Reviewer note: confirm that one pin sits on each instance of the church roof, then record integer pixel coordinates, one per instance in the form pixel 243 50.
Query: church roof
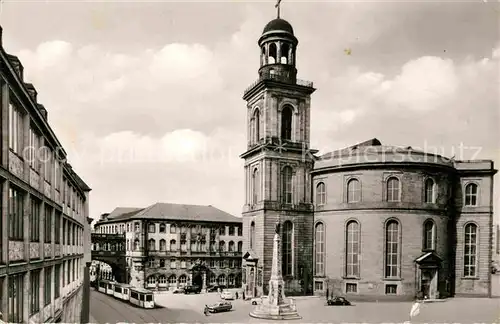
pixel 370 146
pixel 278 24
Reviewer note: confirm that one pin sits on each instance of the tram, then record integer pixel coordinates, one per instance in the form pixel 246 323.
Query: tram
pixel 142 298
pixel 136 296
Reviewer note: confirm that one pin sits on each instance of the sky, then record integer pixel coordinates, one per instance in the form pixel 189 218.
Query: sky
pixel 146 97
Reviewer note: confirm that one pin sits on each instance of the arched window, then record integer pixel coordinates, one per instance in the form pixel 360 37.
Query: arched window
pixel 212 279
pixel 286 185
pixel 353 191
pixel 352 249
pixel 470 250
pixel 151 280
pixel 272 54
pixel 163 228
pixel 172 279
pixel 471 194
pixel 429 235
pixel 252 235
pixel 230 280
pixel 284 53
pixel 392 249
pixel 152 245
pixel 221 280
pixel 429 191
pixel 173 229
pixel 320 194
pixel 163 245
pixel 319 240
pixel 173 245
pixel 256 126
pixel 183 279
pixel 137 245
pixel 231 246
pixel 240 246
pixel 162 280
pixel 255 186
pixel 287 249
pixel 222 246
pixel 128 227
pixel 286 123
pixel 393 189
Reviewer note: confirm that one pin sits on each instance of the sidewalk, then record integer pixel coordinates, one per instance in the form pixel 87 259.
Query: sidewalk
pixel 92 319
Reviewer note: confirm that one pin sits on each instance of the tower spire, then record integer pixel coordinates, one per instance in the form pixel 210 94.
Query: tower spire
pixel 277 6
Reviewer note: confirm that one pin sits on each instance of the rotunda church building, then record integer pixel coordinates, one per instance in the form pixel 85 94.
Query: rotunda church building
pixel 367 221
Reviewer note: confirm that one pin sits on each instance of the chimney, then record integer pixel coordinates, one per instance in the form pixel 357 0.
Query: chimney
pixel 32 91
pixel 42 110
pixel 16 64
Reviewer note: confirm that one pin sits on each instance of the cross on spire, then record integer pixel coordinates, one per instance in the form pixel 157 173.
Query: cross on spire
pixel 277 6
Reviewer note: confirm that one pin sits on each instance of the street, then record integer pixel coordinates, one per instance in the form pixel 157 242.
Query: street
pixel 189 308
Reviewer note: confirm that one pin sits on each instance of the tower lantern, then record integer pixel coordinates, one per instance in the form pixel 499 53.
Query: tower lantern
pixel 278 47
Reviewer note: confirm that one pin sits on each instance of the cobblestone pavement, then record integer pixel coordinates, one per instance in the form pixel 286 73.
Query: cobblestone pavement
pixel 457 310
pixel 189 309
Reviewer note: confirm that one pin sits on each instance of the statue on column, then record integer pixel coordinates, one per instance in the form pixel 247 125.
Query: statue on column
pixel 277 227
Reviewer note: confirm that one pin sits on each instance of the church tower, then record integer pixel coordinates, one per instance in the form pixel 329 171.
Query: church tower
pixel 278 161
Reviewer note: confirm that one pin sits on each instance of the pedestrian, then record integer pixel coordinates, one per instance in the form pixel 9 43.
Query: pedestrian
pixel 236 295
pixel 243 295
pixel 205 311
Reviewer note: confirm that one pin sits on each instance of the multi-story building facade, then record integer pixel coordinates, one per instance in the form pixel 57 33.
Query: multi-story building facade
pixel 43 221
pixel 369 220
pixel 172 245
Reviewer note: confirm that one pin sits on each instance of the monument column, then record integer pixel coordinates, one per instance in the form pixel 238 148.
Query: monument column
pixel 204 280
pixel 276 306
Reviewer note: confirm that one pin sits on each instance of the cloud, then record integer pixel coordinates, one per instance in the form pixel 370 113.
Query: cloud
pixel 165 121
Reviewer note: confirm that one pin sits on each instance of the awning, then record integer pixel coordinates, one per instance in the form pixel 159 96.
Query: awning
pixel 250 257
pixel 429 259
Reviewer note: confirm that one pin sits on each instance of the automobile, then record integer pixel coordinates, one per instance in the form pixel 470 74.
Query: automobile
pixel 220 307
pixel 192 289
pixel 178 291
pixel 338 301
pixel 212 288
pixel 227 295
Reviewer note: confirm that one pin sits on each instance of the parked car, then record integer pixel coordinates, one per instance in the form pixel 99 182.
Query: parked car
pixel 212 288
pixel 338 301
pixel 178 291
pixel 220 307
pixel 227 295
pixel 192 289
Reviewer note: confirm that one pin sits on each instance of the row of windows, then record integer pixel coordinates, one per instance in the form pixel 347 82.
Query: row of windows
pixel 392 248
pixel 162 228
pixel 50 222
pixel 352 288
pixel 65 273
pixel 227 263
pixel 353 190
pixel 393 192
pixel 36 155
pixel 212 279
pixel 195 246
